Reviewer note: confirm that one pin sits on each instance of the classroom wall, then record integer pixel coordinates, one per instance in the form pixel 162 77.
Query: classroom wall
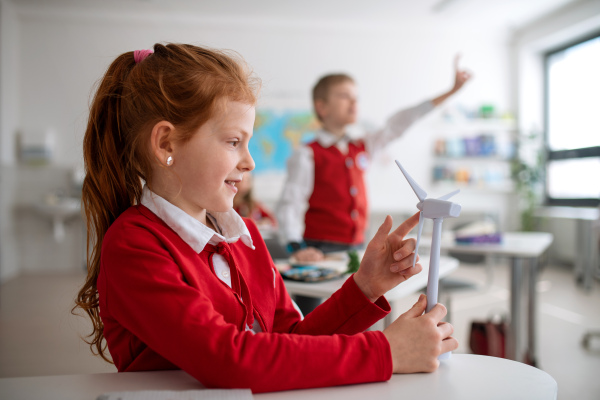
pixel 9 113
pixel 62 53
pixel 9 80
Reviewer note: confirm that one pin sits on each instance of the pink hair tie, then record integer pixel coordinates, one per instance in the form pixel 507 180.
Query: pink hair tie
pixel 140 55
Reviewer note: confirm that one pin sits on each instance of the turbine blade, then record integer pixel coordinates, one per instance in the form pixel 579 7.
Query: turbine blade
pixel 421 220
pixel 449 195
pixel 421 194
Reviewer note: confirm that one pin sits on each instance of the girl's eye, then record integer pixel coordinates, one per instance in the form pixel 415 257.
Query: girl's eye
pixel 234 143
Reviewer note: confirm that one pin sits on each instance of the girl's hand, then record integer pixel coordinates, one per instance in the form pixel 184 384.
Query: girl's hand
pixel 388 259
pixel 417 339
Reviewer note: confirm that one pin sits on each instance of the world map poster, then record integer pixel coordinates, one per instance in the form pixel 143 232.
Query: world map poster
pixel 277 134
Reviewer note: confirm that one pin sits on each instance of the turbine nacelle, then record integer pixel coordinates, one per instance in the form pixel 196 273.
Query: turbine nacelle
pixel 436 208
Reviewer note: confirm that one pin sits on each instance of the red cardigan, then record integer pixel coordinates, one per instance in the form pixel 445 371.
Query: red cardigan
pixel 163 308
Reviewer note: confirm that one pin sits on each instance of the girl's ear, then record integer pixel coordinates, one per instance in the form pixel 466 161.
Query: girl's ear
pixel 161 141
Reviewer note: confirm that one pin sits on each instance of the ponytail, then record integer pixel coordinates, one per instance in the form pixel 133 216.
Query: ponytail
pixel 179 83
pixel 108 188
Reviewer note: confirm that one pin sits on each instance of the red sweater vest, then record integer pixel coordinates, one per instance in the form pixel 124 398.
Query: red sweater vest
pixel 337 209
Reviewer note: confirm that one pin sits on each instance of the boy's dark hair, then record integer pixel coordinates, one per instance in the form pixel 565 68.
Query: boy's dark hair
pixel 321 89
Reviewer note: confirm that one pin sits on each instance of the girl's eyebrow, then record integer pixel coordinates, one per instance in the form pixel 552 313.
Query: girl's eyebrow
pixel 234 130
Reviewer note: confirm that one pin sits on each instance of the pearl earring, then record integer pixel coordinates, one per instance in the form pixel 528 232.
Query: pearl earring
pixel 169 160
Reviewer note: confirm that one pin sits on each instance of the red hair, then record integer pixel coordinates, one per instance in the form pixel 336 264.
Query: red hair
pixel 179 83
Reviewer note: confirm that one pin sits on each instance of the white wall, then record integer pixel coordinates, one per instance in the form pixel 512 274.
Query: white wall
pixel 9 80
pixel 573 23
pixel 9 122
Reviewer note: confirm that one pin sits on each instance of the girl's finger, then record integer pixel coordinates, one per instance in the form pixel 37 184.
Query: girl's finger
pixel 406 248
pixel 407 225
pixel 449 344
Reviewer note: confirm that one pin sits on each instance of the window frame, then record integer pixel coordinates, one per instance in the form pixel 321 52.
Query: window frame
pixel 553 155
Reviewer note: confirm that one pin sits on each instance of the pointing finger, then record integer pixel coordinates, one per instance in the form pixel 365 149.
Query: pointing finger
pixel 407 225
pixel 456 60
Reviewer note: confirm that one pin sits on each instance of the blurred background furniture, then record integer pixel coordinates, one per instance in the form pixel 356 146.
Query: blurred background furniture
pixel 414 284
pixel 588 336
pixel 525 251
pixel 586 238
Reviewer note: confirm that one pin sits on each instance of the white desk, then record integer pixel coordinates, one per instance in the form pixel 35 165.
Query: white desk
pixel 327 288
pixel 524 250
pixel 463 377
pixel 586 238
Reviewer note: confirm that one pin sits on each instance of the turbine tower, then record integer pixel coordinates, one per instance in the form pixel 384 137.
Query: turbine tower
pixel 437 210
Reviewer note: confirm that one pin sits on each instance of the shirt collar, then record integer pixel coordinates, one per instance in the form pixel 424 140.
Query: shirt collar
pixel 328 139
pixel 193 232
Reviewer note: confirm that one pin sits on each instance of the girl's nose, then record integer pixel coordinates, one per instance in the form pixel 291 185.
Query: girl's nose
pixel 247 162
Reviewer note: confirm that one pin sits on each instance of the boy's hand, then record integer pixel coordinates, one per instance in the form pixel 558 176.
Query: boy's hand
pixel 309 254
pixel 388 259
pixel 417 339
pixel 460 76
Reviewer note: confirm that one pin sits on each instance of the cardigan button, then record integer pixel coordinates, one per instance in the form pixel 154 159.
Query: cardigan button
pixel 349 162
pixel 353 191
pixel 354 214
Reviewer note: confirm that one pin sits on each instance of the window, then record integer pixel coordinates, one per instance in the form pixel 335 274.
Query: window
pixel 573 124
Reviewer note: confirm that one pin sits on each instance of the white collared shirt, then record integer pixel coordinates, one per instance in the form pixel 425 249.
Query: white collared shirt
pixel 300 180
pixel 197 235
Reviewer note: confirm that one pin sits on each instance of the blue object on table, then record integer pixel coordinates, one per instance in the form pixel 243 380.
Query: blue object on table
pixel 310 273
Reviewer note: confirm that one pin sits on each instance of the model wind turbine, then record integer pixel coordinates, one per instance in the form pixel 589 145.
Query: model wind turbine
pixel 437 210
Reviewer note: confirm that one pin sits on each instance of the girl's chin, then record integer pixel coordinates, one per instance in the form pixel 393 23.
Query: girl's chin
pixel 224 207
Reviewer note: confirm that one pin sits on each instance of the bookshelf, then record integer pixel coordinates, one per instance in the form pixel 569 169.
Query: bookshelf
pixel 474 154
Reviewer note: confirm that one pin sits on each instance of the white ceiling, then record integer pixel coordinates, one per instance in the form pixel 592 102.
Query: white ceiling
pixel 508 14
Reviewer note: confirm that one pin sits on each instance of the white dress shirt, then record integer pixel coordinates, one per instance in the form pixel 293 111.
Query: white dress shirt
pixel 299 184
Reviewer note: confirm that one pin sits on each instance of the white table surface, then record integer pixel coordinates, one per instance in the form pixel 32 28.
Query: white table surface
pixel 462 377
pixel 415 283
pixel 514 244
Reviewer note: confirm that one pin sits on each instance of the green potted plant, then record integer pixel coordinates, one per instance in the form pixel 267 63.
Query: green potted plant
pixel 527 172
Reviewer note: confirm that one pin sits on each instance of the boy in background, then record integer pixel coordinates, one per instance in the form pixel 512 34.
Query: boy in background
pixel 325 189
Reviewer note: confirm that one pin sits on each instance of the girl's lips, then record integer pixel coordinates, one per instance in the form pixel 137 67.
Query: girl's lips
pixel 232 186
